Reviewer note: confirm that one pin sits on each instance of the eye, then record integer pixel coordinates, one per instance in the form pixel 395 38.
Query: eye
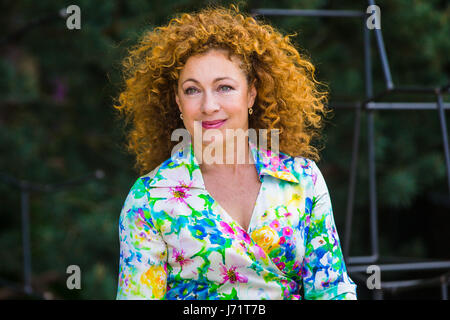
pixel 225 88
pixel 190 90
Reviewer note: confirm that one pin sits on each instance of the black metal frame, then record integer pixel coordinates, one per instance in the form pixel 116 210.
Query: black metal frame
pixel 359 264
pixel 26 188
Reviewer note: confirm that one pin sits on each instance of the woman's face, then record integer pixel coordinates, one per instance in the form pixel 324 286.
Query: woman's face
pixel 213 91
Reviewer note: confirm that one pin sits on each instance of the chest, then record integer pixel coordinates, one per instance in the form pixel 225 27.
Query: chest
pixel 236 196
pixel 221 225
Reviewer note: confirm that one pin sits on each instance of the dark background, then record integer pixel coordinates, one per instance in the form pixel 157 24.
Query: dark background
pixel 57 123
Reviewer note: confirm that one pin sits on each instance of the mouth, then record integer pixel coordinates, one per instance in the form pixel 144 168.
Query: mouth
pixel 213 124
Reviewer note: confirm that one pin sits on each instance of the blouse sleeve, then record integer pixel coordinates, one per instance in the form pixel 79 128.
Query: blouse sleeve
pixel 324 273
pixel 143 252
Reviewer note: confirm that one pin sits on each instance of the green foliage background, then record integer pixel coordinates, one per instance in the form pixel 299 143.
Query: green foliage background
pixel 57 123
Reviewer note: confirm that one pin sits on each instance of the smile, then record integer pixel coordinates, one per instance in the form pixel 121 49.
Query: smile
pixel 213 124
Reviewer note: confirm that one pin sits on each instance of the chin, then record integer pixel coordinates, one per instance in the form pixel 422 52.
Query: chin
pixel 213 141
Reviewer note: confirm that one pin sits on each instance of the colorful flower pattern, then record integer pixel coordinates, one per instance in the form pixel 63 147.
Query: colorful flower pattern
pixel 176 242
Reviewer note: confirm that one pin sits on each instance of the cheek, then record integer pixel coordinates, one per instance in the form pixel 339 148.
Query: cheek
pixel 189 122
pixel 239 111
pixel 190 109
pixel 236 105
pixel 190 118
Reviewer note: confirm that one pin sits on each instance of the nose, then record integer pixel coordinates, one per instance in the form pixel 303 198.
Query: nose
pixel 210 104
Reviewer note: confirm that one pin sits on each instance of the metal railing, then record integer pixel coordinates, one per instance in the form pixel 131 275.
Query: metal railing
pixel 359 264
pixel 26 188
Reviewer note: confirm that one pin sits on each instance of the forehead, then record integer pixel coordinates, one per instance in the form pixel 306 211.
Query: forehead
pixel 212 64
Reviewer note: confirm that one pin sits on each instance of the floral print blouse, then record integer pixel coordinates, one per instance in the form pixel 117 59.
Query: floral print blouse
pixel 176 242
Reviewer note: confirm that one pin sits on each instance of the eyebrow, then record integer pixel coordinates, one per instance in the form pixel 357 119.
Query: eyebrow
pixel 215 80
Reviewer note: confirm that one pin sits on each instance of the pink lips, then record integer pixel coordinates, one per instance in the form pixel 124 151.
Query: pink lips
pixel 212 124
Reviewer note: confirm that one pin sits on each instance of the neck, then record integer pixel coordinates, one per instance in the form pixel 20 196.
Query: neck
pixel 219 158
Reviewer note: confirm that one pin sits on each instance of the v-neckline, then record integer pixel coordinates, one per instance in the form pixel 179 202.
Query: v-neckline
pixel 255 205
pixel 228 216
pixel 222 209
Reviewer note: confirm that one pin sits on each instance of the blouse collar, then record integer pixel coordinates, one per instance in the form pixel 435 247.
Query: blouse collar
pixel 182 168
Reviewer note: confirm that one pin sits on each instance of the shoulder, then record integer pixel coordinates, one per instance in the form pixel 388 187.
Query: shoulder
pixel 153 175
pixel 175 171
pixel 313 174
pixel 143 182
pixel 303 168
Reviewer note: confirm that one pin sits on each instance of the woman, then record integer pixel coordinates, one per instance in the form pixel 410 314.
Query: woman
pixel 199 226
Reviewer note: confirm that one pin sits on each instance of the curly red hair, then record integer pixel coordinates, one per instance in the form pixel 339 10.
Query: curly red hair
pixel 288 97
